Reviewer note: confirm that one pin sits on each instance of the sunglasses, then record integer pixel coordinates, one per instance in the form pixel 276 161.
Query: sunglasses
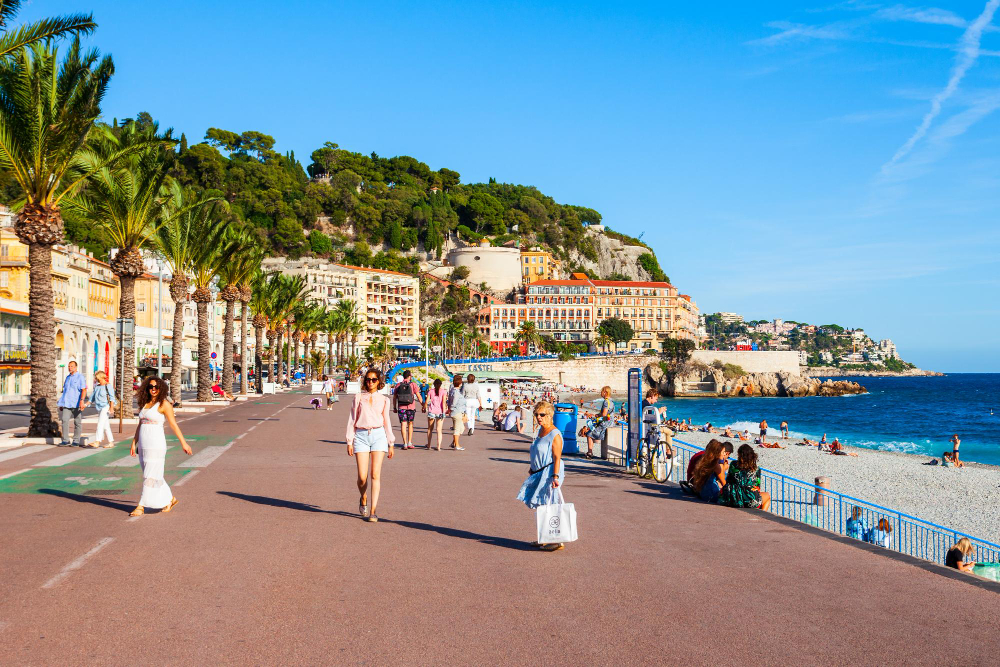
pixel 370 379
pixel 154 387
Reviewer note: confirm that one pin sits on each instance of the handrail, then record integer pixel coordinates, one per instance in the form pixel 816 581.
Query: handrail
pixel 831 510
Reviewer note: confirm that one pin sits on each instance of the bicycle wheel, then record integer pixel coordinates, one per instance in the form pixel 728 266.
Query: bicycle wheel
pixel 642 460
pixel 660 464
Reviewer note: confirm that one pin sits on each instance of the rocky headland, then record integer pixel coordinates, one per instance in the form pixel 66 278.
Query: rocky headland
pixel 700 380
pixel 833 371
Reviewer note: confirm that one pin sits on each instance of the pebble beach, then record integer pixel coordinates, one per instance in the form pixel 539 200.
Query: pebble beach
pixel 964 499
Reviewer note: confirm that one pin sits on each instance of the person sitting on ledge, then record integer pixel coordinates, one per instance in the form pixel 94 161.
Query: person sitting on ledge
pixel 512 422
pixel 216 389
pixel 856 525
pixel 498 414
pixel 880 534
pixel 742 487
pixel 709 477
pixel 838 449
pixel 960 556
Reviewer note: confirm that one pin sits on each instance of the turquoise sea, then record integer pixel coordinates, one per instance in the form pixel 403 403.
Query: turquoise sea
pixel 916 415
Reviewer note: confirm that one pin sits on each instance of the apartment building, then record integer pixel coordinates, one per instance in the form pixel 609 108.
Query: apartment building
pixel 571 310
pixel 538 264
pixel 383 299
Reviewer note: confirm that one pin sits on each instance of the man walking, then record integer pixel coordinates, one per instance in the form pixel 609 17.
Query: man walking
pixel 405 397
pixel 71 405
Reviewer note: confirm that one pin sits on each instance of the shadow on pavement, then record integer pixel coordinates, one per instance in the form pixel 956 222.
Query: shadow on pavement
pixel 492 540
pixel 278 502
pixel 93 500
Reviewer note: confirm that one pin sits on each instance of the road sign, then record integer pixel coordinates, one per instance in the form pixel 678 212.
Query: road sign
pixel 125 327
pixel 213 355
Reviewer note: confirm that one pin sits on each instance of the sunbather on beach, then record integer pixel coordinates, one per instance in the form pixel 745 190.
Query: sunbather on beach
pixel 955 442
pixel 770 445
pixel 948 461
pixel 763 429
pixel 729 433
pixel 811 443
pixel 784 430
pixel 745 435
pixel 838 449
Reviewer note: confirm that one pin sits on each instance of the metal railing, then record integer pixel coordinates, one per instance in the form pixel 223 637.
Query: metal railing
pixel 839 513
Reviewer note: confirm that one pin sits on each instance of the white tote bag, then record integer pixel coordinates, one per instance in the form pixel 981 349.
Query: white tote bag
pixel 557 522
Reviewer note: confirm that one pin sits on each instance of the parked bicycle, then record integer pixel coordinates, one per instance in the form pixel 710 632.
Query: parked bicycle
pixel 655 458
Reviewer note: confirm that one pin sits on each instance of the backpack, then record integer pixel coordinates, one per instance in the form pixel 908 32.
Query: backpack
pixel 404 393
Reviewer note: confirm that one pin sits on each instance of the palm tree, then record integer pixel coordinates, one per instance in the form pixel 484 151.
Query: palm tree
pixel 126 202
pixel 317 359
pixel 247 285
pixel 39 31
pixel 185 232
pixel 243 255
pixel 314 320
pixel 528 334
pixel 288 291
pixel 46 115
pixel 603 340
pixel 263 286
pixel 346 309
pixel 205 266
pixel 356 328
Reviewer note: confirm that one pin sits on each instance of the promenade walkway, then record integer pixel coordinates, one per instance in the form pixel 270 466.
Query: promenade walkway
pixel 264 561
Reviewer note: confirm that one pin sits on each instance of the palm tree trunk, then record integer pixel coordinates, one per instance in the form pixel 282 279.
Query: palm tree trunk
pixel 204 350
pixel 42 325
pixel 293 360
pixel 330 361
pixel 279 358
pixel 306 347
pixel 177 353
pixel 258 359
pixel 244 325
pixel 126 306
pixel 227 347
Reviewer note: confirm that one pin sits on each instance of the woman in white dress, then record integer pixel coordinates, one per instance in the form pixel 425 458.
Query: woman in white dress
pixel 151 445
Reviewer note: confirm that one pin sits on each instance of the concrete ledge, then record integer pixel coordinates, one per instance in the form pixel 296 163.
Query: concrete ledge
pixel 241 397
pixel 184 408
pixel 114 421
pixel 220 404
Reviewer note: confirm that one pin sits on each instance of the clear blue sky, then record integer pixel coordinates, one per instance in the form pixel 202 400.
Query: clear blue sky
pixel 835 162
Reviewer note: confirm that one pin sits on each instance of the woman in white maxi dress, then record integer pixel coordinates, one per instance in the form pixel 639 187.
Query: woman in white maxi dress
pixel 151 445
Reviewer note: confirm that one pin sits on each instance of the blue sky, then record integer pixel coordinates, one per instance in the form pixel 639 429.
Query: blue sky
pixel 834 162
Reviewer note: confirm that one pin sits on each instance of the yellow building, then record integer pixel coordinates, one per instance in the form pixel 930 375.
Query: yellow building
pixel 539 265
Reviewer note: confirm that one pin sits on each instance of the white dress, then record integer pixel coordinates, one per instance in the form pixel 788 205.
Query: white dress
pixel 152 454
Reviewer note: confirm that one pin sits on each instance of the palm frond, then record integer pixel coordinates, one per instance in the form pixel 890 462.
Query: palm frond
pixel 43 30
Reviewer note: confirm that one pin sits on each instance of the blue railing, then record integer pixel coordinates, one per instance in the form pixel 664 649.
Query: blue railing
pixel 795 499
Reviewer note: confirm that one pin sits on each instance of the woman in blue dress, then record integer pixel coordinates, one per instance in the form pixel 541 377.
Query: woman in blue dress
pixel 547 472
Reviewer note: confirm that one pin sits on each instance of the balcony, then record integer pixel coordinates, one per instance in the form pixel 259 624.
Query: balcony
pixel 15 354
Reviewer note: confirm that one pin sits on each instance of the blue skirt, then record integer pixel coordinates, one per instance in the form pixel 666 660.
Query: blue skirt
pixel 537 489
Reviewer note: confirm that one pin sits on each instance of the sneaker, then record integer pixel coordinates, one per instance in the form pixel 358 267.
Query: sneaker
pixel 373 518
pixel 65 443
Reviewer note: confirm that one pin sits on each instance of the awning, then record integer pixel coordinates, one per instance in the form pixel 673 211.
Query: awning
pixel 406 346
pixel 508 375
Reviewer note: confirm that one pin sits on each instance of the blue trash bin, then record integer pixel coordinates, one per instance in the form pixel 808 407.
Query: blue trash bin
pixel 564 419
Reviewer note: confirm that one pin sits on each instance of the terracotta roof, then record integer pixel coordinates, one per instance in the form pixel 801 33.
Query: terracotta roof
pixel 574 283
pixel 364 268
pixel 628 283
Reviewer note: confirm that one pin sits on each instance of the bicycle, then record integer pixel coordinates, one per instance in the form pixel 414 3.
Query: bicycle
pixel 655 458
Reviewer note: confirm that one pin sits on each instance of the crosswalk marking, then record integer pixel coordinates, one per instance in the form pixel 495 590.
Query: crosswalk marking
pixel 204 457
pixel 127 461
pixel 67 458
pixel 16 472
pixel 23 451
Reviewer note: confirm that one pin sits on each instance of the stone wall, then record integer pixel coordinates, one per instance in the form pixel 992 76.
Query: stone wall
pixel 752 362
pixel 593 372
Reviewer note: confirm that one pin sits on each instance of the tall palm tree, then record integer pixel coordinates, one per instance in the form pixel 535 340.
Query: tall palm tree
pixel 185 232
pixel 205 266
pixel 47 113
pixel 39 31
pixel 528 334
pixel 356 328
pixel 346 310
pixel 263 286
pixel 247 286
pixel 311 322
pixel 126 202
pixel 243 254
pixel 289 291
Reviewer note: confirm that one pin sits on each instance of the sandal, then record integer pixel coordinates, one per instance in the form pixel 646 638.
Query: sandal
pixel 363 508
pixel 590 455
pixel 138 511
pixel 373 518
pixel 173 501
pixel 552 547
pixel 90 445
pixel 108 446
pixel 459 449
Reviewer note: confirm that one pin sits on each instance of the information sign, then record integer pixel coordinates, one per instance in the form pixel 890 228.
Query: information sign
pixel 634 414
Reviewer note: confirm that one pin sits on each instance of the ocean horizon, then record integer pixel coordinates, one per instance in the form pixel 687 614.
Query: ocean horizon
pixel 913 415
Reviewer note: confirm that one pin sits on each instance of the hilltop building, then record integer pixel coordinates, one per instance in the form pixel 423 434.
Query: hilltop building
pixel 538 264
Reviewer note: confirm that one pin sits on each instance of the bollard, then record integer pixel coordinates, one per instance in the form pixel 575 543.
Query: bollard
pixel 822 497
pixel 604 446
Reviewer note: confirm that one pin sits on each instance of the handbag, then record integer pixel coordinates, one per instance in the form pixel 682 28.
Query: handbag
pixel 556 522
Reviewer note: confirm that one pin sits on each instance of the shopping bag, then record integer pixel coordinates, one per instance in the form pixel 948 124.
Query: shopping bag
pixel 557 522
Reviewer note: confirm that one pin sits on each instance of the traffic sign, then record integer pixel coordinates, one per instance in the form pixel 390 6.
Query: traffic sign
pixel 213 355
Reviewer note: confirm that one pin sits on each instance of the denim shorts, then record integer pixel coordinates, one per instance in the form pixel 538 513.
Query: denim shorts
pixel 370 441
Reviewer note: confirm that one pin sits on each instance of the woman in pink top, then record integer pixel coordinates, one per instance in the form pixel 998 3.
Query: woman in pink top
pixel 369 437
pixel 437 399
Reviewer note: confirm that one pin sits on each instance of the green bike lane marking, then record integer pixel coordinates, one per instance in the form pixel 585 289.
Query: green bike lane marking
pixel 92 475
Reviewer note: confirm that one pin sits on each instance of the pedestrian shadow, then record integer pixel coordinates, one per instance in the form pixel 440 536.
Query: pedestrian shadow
pixel 507 449
pixel 599 470
pixel 91 500
pixel 335 442
pixel 491 540
pixel 284 504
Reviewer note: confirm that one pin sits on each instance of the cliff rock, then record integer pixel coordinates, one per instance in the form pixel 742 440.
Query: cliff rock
pixel 613 256
pixel 699 380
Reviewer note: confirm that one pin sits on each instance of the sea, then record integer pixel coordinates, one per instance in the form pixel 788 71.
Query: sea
pixel 914 415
